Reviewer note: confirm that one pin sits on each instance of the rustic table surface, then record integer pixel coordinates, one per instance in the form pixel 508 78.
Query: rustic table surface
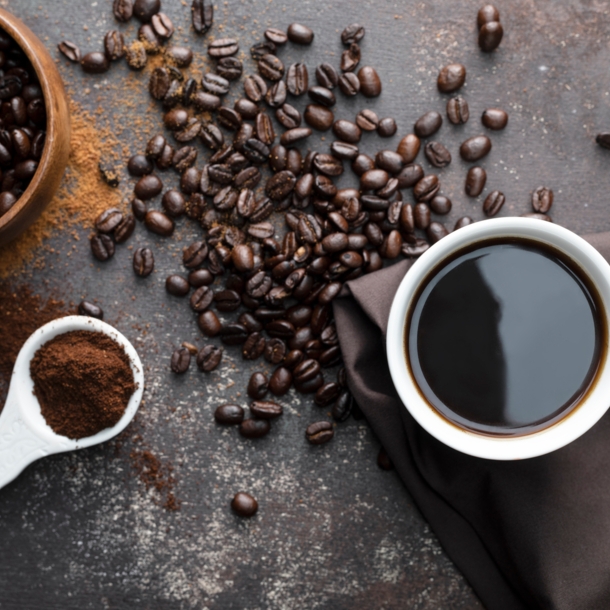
pixel 81 531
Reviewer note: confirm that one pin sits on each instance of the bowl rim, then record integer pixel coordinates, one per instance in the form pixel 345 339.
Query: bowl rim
pixel 26 39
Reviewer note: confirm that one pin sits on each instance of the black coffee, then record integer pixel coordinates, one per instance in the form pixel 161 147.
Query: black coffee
pixel 505 337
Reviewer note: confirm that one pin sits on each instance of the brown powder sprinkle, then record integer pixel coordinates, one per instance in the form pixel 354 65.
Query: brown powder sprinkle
pixel 83 382
pixel 21 313
pixel 157 476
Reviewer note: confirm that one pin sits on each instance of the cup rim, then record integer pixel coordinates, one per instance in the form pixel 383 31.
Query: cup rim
pixel 561 433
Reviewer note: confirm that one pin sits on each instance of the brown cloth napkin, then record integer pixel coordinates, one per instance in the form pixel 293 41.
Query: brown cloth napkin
pixel 525 534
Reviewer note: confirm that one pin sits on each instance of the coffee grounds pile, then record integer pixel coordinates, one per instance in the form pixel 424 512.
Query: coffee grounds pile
pixel 21 313
pixel 83 381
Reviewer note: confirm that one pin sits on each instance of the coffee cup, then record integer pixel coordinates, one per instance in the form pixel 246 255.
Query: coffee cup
pixel 473 242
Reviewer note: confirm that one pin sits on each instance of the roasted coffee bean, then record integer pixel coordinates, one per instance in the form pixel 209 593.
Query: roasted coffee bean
pixel 94 63
pixel 230 68
pixel 201 299
pixel 139 208
pixel 139 165
pixel 297 79
pixel 451 77
pixel 416 249
pixel 464 221
pixel 490 36
pixel 437 154
pixel 259 285
pixel 114 45
pixel 390 248
pixel 254 345
pixel 367 120
pixel 209 356
pixel 108 220
pixel 243 257
pixel 406 219
pixel 349 84
pixel 70 50
pixel 215 84
pixel 421 215
pixel 211 136
pixel 266 409
pixel 233 334
pixel 493 203
pixel 494 118
pixel 343 150
pixel 370 83
pixel 184 158
pixel 208 323
pixel 190 181
pixel 435 232
pixel 148 37
pixel 143 262
pixel 352 33
pixel 389 161
pixel 223 47
pixel 271 67
pixel 475 181
pixel 173 203
pixel 327 394
pixel 258 50
pixel 205 101
pixel 276 36
pixel 122 10
pixel 279 383
pixel 255 88
pixel 288 116
pixel 255 150
pixel 276 95
pixel 294 135
pixel 177 285
pixel 319 433
pixel 159 223
pixel 254 428
pixel 145 9
pixel 102 247
pixel 319 117
pixel 275 351
pixel 108 170
pixel 181 57
pixel 280 329
pixel 124 229
pixel 155 147
pixel 181 359
pixel 85 308
pixel 246 108
pixel 327 76
pixel 279 186
pixel 387 127
pixel 176 119
pixel 542 199
pixel 603 140
pixel 347 131
pixel 194 255
pixel 457 110
pixel 350 58
pixel 374 179
pixel 229 414
pixel 300 34
pixel 200 277
pixel 428 124
pixel 306 371
pixel 135 54
pixel 486 14
pixel 440 204
pixel 229 118
pixel 343 406
pixel 227 300
pixel 408 148
pixel 202 15
pixel 322 95
pixel 257 386
pixel 475 148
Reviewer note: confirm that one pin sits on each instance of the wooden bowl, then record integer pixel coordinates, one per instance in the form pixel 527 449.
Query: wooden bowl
pixel 54 158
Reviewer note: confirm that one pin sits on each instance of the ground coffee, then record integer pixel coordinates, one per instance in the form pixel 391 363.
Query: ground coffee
pixel 83 382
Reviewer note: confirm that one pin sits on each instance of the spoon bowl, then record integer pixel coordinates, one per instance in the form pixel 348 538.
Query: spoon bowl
pixel 25 435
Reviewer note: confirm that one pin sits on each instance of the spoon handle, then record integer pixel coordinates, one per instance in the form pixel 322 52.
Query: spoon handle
pixel 19 445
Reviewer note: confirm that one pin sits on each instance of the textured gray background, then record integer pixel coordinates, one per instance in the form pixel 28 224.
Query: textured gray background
pixel 333 531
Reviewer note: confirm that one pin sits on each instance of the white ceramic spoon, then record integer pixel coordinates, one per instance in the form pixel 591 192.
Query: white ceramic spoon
pixel 25 435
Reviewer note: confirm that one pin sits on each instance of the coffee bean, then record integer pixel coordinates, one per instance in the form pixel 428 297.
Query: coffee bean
pixel 266 409
pixel 125 229
pixel 102 247
pixel 451 77
pixel 374 179
pixel 227 300
pixel 181 57
pixel 416 249
pixel 440 204
pixel 322 95
pixel 255 88
pixel 159 223
pixel 209 357
pixel 370 84
pixel 542 199
pixel 233 334
pixel 437 154
pixel 276 36
pixel 389 161
pixel 254 428
pixel 201 299
pixel 208 323
pixel 215 84
pixel 350 58
pixel 349 84
pixel 139 165
pixel 254 346
pixel 387 127
pixel 327 394
pixel 258 385
pixel 271 67
pixel 294 135
pixel 202 15
pixel 475 148
pixel 70 50
pixel 276 95
pixel 486 14
pixel 493 203
pixel 603 140
pixel 229 414
pixel 135 54
pixel 319 433
pixel 367 120
pixel 288 116
pixel 428 124
pixel 435 232
pixel 108 220
pixel 457 110
pixel 148 187
pixel 145 9
pixel 408 147
pixel 327 76
pixel 352 33
pixel 275 351
pixel 177 285
pixel 347 131
pixel 464 221
pixel 421 214
pixel 95 63
pixel 475 181
pixel 122 10
pixel 342 408
pixel 181 359
pixel 494 118
pixel 229 118
pixel 223 47
pixel 297 79
pixel 262 48
pixel 319 117
pixel 490 36
pixel 143 262
pixel 85 308
pixel 300 34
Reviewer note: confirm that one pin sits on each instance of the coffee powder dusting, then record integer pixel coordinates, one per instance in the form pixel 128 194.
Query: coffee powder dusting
pixel 83 382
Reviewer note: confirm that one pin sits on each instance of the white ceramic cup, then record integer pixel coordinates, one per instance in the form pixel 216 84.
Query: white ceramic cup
pixel 592 406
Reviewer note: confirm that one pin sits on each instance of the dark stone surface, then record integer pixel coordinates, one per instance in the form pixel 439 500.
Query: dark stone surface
pixel 80 531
